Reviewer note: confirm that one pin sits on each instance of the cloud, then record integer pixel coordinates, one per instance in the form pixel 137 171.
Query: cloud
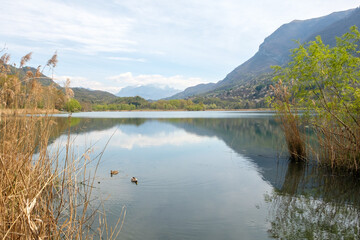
pixel 204 38
pixel 77 81
pixel 127 59
pixel 190 30
pixel 177 81
pixel 114 84
pixel 67 26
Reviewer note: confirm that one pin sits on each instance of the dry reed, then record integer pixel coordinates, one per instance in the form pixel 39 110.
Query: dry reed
pixel 290 122
pixel 41 195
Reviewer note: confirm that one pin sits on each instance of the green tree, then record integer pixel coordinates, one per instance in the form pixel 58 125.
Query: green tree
pixel 324 82
pixel 72 105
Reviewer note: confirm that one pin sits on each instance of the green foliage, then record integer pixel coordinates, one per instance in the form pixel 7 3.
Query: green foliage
pixel 72 105
pixel 259 87
pixel 114 107
pixel 326 79
pixel 137 103
pixel 324 82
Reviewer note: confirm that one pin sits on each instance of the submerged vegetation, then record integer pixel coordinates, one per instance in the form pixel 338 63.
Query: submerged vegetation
pixel 42 195
pixel 324 83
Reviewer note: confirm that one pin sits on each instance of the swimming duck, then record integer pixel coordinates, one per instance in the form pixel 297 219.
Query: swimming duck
pixel 134 180
pixel 113 172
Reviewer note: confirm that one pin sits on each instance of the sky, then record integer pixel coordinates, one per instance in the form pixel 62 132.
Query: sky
pixel 110 44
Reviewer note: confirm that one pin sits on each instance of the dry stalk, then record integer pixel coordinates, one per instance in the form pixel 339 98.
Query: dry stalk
pixel 40 195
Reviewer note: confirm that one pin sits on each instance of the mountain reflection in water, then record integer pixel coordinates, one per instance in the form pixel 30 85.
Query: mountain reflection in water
pixel 306 201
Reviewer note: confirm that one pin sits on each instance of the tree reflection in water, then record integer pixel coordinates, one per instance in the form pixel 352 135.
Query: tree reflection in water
pixel 307 202
pixel 314 203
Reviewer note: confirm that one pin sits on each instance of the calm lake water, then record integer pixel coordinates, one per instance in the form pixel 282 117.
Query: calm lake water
pixel 210 175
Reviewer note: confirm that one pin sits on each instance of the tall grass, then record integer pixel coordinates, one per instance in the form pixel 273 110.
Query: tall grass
pixel 290 122
pixel 43 196
pixel 324 81
pixel 336 143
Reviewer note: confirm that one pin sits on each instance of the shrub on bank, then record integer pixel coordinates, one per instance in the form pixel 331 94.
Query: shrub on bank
pixel 324 83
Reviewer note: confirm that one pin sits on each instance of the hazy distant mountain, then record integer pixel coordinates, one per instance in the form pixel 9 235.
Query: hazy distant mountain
pixel 148 92
pixel 190 91
pixel 275 50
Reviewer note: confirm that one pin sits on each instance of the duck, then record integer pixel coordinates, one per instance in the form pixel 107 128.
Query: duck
pixel 134 180
pixel 113 172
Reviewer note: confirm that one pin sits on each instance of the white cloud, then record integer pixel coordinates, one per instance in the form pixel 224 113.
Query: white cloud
pixel 205 38
pixel 66 26
pixel 127 59
pixel 115 83
pixel 177 81
pixel 77 81
pixel 211 29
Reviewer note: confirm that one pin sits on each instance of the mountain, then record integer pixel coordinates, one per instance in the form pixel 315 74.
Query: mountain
pixel 275 50
pixel 43 79
pixel 148 92
pixel 86 97
pixel 190 91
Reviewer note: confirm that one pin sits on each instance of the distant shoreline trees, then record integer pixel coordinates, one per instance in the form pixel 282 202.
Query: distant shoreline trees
pixel 193 104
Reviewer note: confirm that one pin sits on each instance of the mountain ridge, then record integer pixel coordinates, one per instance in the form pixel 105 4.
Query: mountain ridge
pixel 86 97
pixel 275 50
pixel 150 92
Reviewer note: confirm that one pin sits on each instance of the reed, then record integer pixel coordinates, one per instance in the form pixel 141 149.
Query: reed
pixel 290 122
pixel 42 196
pixel 324 81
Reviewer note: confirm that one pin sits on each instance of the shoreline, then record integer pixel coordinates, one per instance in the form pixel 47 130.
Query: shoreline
pixel 8 112
pixel 184 110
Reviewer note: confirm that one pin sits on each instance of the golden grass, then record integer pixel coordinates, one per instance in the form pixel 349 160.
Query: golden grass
pixel 289 117
pixel 42 197
pixel 337 142
pixel 10 112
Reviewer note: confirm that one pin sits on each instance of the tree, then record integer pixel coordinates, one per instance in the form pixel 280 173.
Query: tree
pixel 72 105
pixel 324 82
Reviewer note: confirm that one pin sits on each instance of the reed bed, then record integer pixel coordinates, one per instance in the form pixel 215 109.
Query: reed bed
pixel 290 122
pixel 324 82
pixel 43 195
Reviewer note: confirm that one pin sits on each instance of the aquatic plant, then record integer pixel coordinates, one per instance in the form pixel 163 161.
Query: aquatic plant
pixel 324 83
pixel 42 196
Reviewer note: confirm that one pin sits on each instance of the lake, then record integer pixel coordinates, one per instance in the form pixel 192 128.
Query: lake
pixel 209 175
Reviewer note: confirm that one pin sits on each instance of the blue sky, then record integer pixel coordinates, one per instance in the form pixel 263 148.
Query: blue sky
pixel 110 44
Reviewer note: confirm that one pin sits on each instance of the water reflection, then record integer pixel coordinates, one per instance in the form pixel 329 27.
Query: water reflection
pixel 304 201
pixel 243 135
pixel 315 203
pixel 130 137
